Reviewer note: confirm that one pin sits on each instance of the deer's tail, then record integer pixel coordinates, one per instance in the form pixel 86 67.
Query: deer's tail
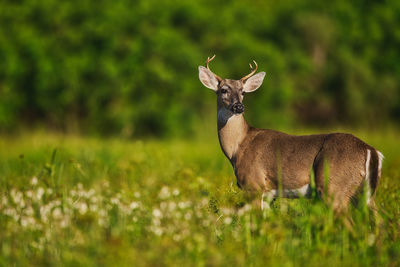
pixel 373 169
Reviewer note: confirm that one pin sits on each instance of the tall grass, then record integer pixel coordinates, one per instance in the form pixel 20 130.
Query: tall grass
pixel 70 201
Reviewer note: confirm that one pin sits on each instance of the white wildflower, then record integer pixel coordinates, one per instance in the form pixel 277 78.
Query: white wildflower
pixel 82 208
pixel 204 202
pixel 73 193
pixel 371 239
pixel 4 201
pixel 134 205
pixel 157 213
pixel 156 222
pixel 218 232
pixel 90 193
pixel 226 211
pixel 125 209
pixel 102 213
pixel 64 222
pixel 171 206
pixel 39 193
pixel 22 203
pixel 37 245
pixel 102 222
pixel 188 216
pixel 185 232
pixel 17 196
pixel 199 214
pixel 177 237
pixel 114 201
pixel 183 205
pixel 29 194
pixel 31 221
pixel 175 192
pixel 57 214
pixel 34 180
pixel 24 222
pixel 163 205
pixel 158 231
pixel 206 223
pixel 94 199
pixel 69 201
pixel 29 211
pixel 10 212
pixel 93 207
pixel 44 211
pixel 228 220
pixel 164 193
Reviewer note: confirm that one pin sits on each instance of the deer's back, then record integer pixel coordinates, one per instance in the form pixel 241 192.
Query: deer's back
pixel 265 156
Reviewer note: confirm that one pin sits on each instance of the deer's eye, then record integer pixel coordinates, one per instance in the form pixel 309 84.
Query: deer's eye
pixel 224 91
pixel 242 92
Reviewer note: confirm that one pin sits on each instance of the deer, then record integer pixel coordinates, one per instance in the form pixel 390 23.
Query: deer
pixel 270 164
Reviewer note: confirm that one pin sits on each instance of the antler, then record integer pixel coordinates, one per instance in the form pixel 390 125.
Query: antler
pixel 251 73
pixel 207 62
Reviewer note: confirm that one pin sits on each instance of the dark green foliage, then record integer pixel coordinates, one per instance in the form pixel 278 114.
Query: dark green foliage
pixel 130 67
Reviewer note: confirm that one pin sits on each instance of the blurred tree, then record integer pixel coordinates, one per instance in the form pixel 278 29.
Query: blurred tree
pixel 130 67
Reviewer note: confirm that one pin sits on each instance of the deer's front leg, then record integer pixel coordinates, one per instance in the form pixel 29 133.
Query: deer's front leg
pixel 254 198
pixel 260 200
pixel 267 199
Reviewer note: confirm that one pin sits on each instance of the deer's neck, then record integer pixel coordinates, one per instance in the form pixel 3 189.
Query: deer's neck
pixel 232 129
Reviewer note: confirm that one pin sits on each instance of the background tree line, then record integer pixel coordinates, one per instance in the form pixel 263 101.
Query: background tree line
pixel 130 67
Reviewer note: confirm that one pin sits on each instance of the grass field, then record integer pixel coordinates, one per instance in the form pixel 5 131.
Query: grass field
pixel 75 201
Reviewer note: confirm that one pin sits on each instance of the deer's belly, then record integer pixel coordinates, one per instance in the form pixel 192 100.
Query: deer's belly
pixel 304 191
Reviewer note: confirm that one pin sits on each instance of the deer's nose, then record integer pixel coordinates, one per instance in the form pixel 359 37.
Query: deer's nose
pixel 238 108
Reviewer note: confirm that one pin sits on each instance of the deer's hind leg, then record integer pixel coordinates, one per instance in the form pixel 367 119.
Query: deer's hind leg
pixel 339 172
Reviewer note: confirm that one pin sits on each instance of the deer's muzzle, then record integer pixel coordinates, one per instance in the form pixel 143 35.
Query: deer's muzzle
pixel 237 108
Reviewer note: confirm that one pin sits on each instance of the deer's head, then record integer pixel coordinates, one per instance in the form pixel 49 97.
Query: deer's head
pixel 229 92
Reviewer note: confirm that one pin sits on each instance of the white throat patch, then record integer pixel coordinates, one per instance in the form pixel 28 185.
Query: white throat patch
pixel 224 115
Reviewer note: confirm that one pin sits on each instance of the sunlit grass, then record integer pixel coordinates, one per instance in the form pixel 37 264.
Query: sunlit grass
pixel 69 200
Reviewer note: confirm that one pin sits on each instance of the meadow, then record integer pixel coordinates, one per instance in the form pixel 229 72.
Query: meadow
pixel 68 200
pixel 107 156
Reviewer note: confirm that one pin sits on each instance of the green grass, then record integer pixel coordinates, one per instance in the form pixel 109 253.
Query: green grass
pixel 74 201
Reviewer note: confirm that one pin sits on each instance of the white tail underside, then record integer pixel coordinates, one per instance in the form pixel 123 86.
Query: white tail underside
pixel 368 176
pixel 381 157
pixel 368 172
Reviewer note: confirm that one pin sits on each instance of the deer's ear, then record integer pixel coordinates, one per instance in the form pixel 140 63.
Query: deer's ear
pixel 254 82
pixel 207 78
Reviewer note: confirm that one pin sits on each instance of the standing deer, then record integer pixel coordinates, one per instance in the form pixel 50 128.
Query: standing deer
pixel 265 160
